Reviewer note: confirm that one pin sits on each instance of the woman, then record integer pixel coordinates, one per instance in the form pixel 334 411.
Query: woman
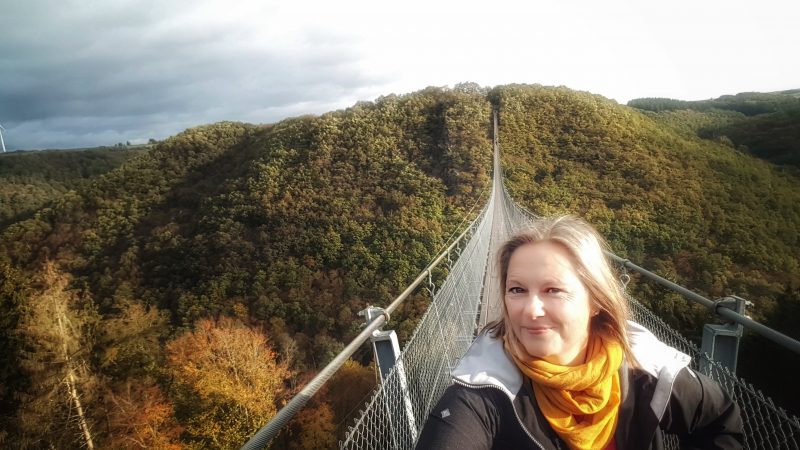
pixel 563 368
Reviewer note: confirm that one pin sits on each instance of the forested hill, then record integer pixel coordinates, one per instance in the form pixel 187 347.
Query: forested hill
pixel 203 281
pixel 766 125
pixel 290 229
pixel 32 179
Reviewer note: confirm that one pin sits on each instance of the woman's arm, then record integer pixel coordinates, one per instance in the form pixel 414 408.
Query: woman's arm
pixel 702 414
pixel 464 419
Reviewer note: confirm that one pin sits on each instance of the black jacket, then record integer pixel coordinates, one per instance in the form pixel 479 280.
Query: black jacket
pixel 491 406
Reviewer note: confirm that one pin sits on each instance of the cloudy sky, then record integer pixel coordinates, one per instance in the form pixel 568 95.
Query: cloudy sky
pixel 77 73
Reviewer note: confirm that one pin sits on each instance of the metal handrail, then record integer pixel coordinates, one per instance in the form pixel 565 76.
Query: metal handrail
pixel 282 418
pixel 715 307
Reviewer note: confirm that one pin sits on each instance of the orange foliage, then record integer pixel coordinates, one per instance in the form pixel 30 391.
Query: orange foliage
pixel 349 389
pixel 313 429
pixel 140 417
pixel 225 361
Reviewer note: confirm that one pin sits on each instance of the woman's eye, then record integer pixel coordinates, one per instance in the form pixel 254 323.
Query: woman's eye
pixel 553 290
pixel 516 290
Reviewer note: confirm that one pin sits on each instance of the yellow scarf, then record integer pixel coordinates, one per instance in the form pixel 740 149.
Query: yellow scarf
pixel 580 402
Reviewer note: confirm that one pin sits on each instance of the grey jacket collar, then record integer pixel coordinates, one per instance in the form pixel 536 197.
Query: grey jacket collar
pixel 486 363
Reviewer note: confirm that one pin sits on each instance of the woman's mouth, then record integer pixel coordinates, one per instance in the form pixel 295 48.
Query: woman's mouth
pixel 535 330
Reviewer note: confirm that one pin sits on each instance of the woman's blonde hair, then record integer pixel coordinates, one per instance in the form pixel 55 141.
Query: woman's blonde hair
pixel 585 246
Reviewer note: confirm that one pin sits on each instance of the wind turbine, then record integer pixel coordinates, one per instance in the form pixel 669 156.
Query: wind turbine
pixel 3 144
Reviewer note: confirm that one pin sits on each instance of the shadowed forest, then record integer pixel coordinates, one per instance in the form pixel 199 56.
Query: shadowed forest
pixel 177 296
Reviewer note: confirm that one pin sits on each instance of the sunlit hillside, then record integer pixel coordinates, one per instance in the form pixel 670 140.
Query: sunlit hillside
pixel 289 229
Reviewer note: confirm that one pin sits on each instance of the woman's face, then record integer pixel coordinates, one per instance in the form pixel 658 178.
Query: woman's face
pixel 547 303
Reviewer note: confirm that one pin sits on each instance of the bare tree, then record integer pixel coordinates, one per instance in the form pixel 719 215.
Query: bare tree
pixel 54 331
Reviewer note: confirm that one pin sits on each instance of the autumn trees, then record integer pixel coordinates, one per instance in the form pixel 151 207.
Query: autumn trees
pixel 138 416
pixel 763 124
pixel 30 180
pixel 56 330
pixel 104 387
pixel 234 375
pixel 212 238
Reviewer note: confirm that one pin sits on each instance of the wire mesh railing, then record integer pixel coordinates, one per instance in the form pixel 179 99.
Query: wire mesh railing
pixel 397 411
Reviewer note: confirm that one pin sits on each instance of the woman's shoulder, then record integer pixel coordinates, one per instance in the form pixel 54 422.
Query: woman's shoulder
pixel 486 364
pixel 692 404
pixel 692 387
pixel 656 393
pixel 654 356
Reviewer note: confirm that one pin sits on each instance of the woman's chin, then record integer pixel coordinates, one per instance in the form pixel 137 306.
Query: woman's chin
pixel 536 351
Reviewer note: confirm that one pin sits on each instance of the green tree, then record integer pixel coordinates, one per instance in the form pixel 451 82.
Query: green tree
pixel 14 292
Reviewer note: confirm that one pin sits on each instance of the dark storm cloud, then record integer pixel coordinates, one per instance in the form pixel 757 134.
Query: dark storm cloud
pixel 78 75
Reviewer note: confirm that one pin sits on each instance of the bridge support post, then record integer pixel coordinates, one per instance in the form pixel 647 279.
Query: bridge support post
pixel 721 342
pixel 396 393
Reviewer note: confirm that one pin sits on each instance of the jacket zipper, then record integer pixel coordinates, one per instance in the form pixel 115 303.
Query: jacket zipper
pixel 519 421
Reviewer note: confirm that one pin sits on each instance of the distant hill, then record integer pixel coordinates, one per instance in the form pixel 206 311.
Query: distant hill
pixel 766 125
pixel 29 180
pixel 240 249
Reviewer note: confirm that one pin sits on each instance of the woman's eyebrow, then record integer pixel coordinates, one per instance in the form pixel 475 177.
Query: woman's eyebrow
pixel 546 281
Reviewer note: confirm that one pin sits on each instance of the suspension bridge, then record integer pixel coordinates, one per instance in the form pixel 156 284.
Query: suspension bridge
pixel 412 380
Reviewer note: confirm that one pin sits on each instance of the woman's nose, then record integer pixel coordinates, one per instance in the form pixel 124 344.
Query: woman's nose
pixel 534 306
